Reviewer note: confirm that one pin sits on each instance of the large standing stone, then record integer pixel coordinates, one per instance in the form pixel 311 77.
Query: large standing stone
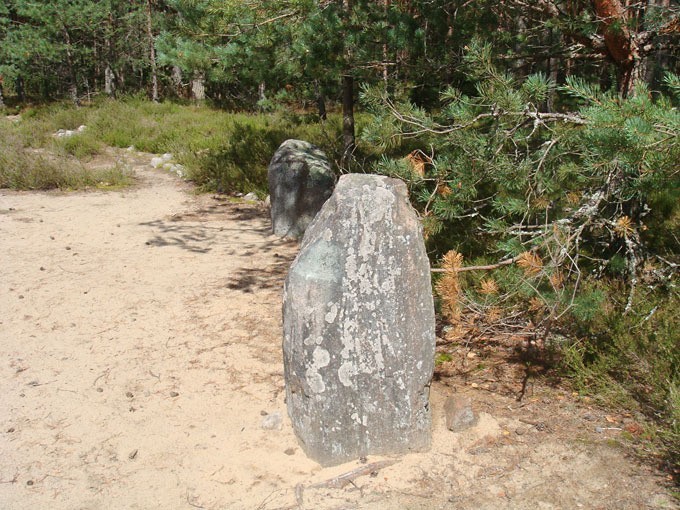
pixel 300 181
pixel 358 320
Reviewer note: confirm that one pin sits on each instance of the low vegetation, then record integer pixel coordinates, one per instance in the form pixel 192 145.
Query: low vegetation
pixel 26 167
pixel 223 152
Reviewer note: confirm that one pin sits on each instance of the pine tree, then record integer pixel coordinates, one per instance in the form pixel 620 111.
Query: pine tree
pixel 557 198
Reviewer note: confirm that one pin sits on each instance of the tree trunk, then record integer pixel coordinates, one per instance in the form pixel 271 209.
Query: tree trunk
pixel 620 43
pixel 19 87
pixel 261 96
pixel 2 101
pixel 109 82
pixel 348 136
pixel 109 75
pixel 554 64
pixel 198 86
pixel 176 78
pixel 385 49
pixel 320 100
pixel 73 84
pixel 152 53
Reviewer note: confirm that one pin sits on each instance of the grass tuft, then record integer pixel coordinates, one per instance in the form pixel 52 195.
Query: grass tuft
pixel 27 168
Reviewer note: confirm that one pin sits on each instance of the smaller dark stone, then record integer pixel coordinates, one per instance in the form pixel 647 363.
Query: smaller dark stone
pixel 30 482
pixel 68 248
pixel 174 394
pixel 129 394
pixel 289 451
pixel 100 390
pixel 300 181
pixel 10 430
pixel 459 414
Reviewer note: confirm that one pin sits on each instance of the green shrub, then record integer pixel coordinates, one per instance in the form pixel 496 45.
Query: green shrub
pixel 632 360
pixel 240 161
pixel 579 209
pixel 79 145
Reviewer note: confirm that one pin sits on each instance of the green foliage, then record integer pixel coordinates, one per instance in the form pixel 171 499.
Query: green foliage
pixel 585 203
pixel 632 360
pixel 56 47
pixel 241 163
pixel 80 146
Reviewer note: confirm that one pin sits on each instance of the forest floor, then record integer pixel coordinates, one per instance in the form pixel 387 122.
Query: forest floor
pixel 141 354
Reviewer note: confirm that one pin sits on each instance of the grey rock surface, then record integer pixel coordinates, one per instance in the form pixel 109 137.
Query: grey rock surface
pixel 358 320
pixel 300 181
pixel 459 414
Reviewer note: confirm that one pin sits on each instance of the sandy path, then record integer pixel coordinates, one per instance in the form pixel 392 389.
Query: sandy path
pixel 140 343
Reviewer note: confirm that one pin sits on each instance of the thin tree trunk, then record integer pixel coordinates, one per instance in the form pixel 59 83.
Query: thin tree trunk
pixel 620 44
pixel 2 102
pixel 554 63
pixel 320 100
pixel 348 134
pixel 385 49
pixel 73 85
pixel 198 86
pixel 152 54
pixel 261 96
pixel 109 75
pixel 97 65
pixel 109 82
pixel 176 78
pixel 19 87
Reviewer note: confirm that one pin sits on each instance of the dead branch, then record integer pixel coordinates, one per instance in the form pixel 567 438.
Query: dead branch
pixel 103 374
pixel 341 481
pixel 14 479
pixel 481 268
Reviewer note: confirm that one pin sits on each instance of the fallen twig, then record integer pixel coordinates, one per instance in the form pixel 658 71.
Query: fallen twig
pixel 341 481
pixel 13 480
pixel 189 498
pixel 105 373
